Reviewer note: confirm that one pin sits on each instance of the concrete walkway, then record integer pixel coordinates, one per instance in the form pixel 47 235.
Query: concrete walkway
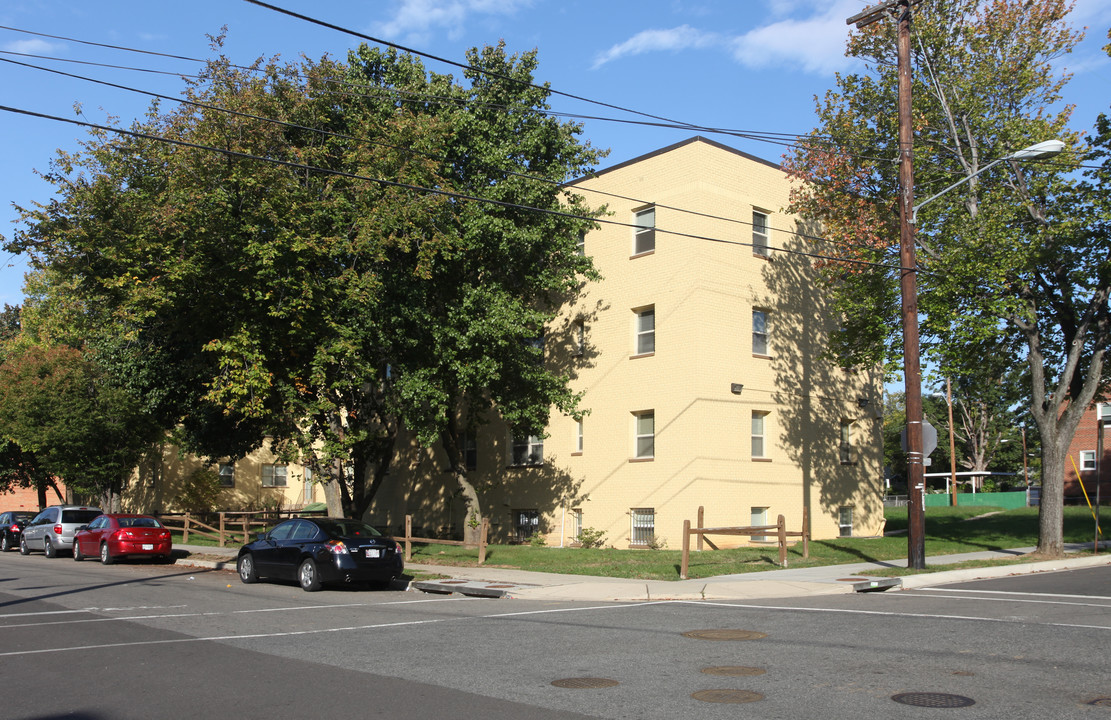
pixel 497 582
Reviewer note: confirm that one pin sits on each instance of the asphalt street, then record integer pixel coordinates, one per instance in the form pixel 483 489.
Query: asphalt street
pixel 128 641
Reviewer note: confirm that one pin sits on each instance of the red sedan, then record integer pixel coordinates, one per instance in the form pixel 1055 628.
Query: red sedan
pixel 116 535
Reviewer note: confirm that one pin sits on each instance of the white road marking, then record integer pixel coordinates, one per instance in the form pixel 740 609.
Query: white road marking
pixel 910 596
pixel 1012 592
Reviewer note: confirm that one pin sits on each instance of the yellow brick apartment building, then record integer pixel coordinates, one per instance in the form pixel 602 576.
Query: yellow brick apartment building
pixel 700 354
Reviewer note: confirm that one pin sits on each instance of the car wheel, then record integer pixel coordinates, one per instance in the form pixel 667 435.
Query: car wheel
pixel 48 548
pixel 23 549
pixel 105 556
pixel 246 569
pixel 308 577
pixel 78 556
pixel 5 544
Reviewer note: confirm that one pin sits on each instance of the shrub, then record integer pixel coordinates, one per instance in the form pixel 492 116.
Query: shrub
pixel 537 540
pixel 656 543
pixel 591 538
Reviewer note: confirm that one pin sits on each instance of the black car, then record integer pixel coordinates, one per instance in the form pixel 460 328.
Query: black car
pixel 314 551
pixel 11 526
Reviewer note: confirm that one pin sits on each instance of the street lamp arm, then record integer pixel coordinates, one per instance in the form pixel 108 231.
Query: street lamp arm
pixel 962 181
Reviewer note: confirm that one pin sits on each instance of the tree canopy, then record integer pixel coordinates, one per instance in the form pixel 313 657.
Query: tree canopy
pixel 324 254
pixel 1014 265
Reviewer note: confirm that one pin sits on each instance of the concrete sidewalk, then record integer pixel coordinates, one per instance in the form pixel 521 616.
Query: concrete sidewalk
pixel 497 582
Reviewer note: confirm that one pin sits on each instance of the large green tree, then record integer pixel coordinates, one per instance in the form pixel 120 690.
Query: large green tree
pixel 379 258
pixel 1012 264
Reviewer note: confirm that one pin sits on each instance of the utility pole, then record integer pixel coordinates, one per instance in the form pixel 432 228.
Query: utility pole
pixel 912 367
pixel 953 446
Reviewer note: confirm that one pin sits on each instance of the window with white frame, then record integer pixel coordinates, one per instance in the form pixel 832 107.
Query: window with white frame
pixel 646 330
pixel 526 523
pixel 759 423
pixel 1103 411
pixel 846 446
pixel 469 445
pixel 644 236
pixel 643 530
pixel 579 337
pixel 578 436
pixel 1087 460
pixel 580 247
pixel 528 450
pixel 845 520
pixel 227 475
pixel 759 233
pixel 644 441
pixel 274 475
pixel 308 485
pixel 759 332
pixel 577 522
pixel 758 517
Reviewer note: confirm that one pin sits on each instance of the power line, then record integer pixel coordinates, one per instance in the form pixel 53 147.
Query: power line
pixel 421 189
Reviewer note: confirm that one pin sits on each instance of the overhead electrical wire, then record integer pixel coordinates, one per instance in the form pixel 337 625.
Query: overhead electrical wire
pixel 418 188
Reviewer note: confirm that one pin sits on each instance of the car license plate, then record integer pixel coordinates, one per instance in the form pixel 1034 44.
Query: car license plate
pixel 373 552
pixel 148 546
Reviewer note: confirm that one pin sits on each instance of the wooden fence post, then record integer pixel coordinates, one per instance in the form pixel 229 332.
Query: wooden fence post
pixel 482 537
pixel 408 538
pixel 222 530
pixel 185 532
pixel 781 530
pixel 701 516
pixel 246 531
pixel 687 547
pixel 806 532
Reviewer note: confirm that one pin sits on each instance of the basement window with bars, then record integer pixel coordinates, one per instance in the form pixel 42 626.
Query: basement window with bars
pixel 644 526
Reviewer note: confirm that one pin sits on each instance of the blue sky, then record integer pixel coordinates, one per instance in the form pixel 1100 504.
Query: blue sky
pixel 749 65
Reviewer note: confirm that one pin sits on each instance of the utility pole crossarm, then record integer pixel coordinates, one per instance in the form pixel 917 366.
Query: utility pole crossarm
pixel 871 14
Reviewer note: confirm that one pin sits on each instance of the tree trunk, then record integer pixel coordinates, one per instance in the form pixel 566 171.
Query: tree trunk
pixel 1051 508
pixel 472 525
pixel 333 491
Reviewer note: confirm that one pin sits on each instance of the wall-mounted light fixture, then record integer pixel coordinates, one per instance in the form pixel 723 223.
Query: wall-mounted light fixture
pixel 736 388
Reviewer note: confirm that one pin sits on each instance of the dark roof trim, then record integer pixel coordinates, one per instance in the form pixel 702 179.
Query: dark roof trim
pixel 669 148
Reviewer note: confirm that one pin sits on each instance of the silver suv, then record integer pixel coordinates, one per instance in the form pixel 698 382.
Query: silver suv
pixel 52 529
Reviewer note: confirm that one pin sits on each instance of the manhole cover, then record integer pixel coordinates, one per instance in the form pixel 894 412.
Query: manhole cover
pixel 585 683
pixel 727 696
pixel 453 582
pixel 734 671
pixel 933 700
pixel 499 586
pixel 1101 702
pixel 724 634
pixel 853 579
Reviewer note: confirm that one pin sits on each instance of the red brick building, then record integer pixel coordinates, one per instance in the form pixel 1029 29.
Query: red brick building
pixel 27 499
pixel 1082 451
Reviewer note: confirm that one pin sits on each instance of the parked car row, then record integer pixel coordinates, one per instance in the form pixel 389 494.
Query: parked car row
pixel 86 532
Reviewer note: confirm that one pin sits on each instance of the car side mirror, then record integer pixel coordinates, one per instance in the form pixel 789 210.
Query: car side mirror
pixel 82 527
pixel 263 536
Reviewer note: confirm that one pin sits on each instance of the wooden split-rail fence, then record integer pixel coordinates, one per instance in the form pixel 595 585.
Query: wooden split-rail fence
pixel 779 529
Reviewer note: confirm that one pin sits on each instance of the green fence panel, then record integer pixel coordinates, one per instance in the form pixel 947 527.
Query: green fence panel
pixel 1006 500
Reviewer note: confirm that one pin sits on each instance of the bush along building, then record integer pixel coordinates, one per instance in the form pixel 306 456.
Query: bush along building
pixel 701 356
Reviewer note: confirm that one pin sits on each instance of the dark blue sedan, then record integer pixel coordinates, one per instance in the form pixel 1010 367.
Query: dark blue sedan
pixel 314 551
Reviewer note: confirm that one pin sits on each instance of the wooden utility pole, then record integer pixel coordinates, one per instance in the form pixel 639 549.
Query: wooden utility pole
pixel 912 367
pixel 953 446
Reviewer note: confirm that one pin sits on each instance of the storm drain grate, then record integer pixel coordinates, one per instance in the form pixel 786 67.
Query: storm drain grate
pixel 724 634
pixel 734 671
pixel 585 683
pixel 933 700
pixel 1101 702
pixel 727 696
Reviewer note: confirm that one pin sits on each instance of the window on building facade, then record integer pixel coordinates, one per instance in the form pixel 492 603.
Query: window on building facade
pixel 528 450
pixel 274 475
pixel 1087 459
pixel 758 517
pixel 526 523
pixel 759 448
pixel 646 330
pixel 846 445
pixel 308 485
pixel 759 332
pixel 760 233
pixel 643 526
pixel 578 436
pixel 1103 411
pixel 580 247
pixel 468 443
pixel 644 237
pixel 579 337
pixel 577 522
pixel 645 434
pixel 845 520
pixel 227 475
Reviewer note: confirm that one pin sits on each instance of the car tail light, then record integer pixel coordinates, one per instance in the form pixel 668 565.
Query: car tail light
pixel 337 547
pixel 14 528
pixel 57 529
pixel 397 547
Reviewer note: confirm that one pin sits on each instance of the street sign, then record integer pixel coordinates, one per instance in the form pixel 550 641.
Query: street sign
pixel 929 438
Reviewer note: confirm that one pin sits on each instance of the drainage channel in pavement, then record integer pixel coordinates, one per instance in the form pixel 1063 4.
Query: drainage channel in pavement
pixel 470 588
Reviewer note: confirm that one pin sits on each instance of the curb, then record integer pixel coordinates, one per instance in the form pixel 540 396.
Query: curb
pixel 986 573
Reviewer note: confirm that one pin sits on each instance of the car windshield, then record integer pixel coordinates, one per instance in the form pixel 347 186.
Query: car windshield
pixel 79 516
pixel 23 517
pixel 139 522
pixel 347 528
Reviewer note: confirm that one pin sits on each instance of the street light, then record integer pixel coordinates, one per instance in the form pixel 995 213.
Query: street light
pixel 1038 151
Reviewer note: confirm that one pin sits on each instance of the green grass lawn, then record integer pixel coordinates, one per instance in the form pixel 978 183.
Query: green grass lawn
pixel 949 530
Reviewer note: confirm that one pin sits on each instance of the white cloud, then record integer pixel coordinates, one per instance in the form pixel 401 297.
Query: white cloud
pixel 816 44
pixel 34 46
pixel 415 18
pixel 681 38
